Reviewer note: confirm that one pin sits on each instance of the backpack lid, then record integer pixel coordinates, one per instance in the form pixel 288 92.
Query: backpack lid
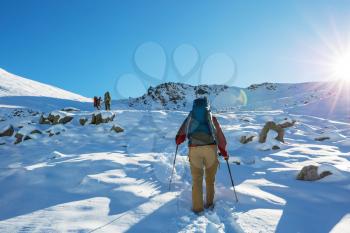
pixel 201 103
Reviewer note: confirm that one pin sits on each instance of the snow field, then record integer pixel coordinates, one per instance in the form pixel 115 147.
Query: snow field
pixel 89 179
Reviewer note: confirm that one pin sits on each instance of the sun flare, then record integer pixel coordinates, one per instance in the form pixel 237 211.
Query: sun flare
pixel 341 67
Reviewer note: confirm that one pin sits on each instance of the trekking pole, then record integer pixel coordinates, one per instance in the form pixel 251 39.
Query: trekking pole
pixel 233 185
pixel 171 178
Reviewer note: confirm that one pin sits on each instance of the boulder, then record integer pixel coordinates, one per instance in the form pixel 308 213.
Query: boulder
pixel 19 138
pixel 286 123
pixel 325 173
pixel 83 121
pixel 99 118
pixel 117 129
pixel 56 130
pixel 270 125
pixel 65 120
pixel 7 131
pixel 96 119
pixel 56 117
pixel 36 131
pixel 52 134
pixel 310 173
pixel 53 118
pixel 43 120
pixel 322 138
pixel 245 139
pixel 26 133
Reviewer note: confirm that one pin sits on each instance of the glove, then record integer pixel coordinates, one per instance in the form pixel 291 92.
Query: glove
pixel 180 139
pixel 226 156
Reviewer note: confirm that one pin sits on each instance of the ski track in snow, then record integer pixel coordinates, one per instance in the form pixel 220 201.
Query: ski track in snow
pixel 89 179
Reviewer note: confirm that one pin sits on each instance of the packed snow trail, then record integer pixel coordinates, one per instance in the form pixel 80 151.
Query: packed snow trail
pixel 90 179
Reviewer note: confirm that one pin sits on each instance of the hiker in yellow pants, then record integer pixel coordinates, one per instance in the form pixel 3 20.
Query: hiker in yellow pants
pixel 205 138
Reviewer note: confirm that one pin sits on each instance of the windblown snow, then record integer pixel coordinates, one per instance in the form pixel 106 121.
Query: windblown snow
pixel 88 178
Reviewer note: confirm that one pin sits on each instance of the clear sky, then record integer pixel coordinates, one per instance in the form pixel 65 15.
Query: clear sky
pixel 85 46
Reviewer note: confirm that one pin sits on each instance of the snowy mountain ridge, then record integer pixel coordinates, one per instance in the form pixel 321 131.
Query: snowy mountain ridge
pixel 296 98
pixel 180 96
pixel 174 95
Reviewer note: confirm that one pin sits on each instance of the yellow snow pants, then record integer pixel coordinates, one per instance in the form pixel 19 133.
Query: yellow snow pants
pixel 203 158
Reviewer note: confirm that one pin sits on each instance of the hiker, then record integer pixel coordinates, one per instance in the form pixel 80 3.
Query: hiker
pixel 95 102
pixel 205 137
pixel 99 99
pixel 107 101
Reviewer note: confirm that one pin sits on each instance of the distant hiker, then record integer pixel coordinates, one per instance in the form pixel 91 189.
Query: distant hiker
pixel 99 99
pixel 95 102
pixel 205 137
pixel 107 101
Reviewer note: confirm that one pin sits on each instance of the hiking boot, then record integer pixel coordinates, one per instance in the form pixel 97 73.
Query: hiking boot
pixel 209 206
pixel 198 212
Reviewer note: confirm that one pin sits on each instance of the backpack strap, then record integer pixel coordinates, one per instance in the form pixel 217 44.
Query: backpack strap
pixel 188 123
pixel 212 127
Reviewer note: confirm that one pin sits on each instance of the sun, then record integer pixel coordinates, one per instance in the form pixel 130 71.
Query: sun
pixel 341 66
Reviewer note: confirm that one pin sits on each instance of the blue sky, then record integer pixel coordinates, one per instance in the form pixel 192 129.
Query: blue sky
pixel 86 46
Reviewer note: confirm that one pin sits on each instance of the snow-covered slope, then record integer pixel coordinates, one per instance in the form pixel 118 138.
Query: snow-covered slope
pixel 18 92
pixel 90 179
pixel 13 85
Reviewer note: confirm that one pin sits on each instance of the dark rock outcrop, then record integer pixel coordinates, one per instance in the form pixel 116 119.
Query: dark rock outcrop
pixel 279 128
pixel 245 139
pixel 54 119
pixel 287 124
pixel 82 121
pixel 310 173
pixel 65 120
pixel 117 129
pixel 43 120
pixel 322 138
pixel 99 119
pixel 8 131
pixel 19 138
pixel 270 125
pixel 36 131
